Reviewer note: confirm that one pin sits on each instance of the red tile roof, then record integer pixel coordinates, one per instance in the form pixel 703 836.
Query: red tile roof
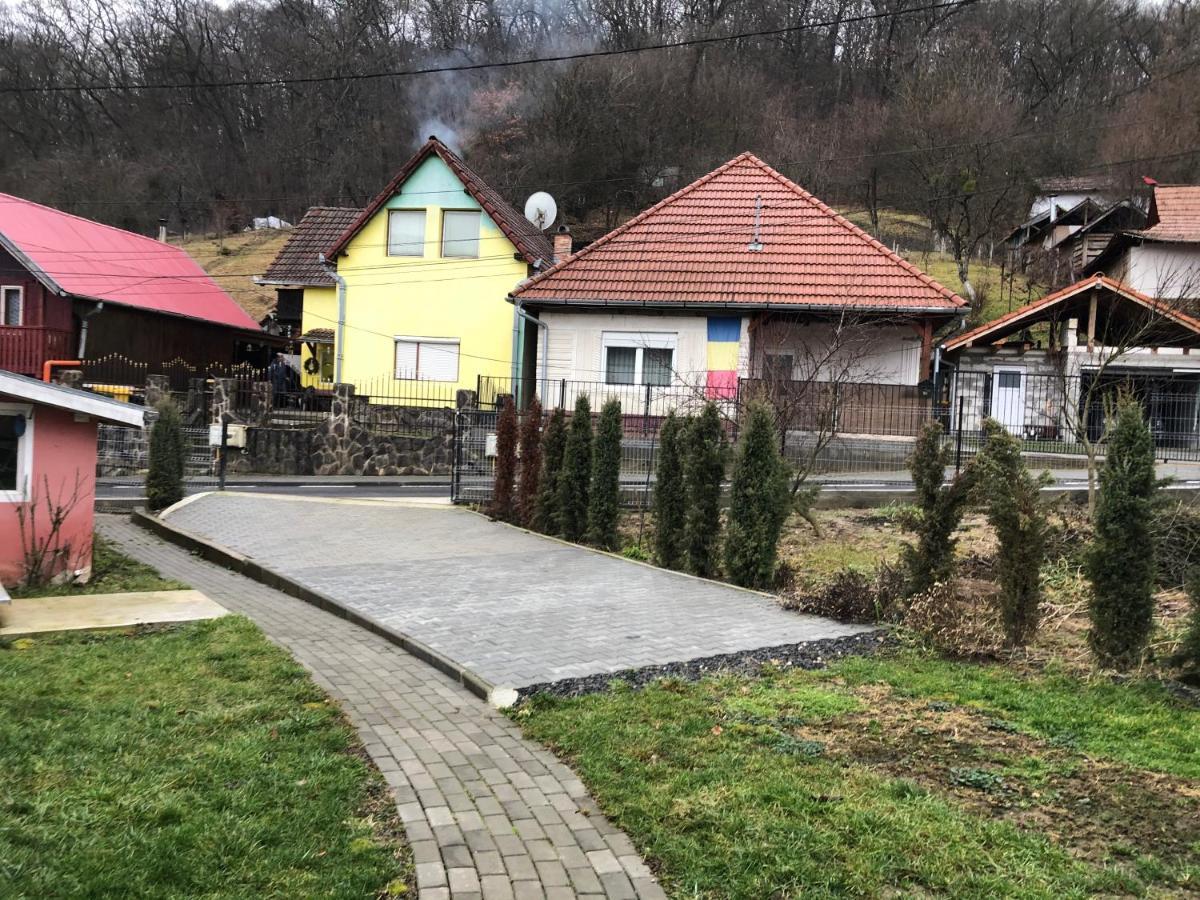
pixel 525 236
pixel 692 248
pixel 1174 214
pixel 299 259
pixel 1029 314
pixel 77 256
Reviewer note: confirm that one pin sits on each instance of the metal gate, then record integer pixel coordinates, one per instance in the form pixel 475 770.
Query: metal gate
pixel 474 456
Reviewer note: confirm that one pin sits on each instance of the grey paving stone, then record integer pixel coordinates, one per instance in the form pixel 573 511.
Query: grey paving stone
pixel 415 721
pixel 550 611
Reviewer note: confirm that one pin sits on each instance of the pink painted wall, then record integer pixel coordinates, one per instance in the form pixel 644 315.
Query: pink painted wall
pixel 62 448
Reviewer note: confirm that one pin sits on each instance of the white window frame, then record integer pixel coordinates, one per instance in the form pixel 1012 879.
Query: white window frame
pixel 420 245
pixel 419 340
pixel 24 454
pixel 638 341
pixel 4 289
pixel 478 232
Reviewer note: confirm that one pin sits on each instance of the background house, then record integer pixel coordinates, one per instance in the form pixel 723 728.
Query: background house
pixel 73 289
pixel 740 275
pixel 1046 370
pixel 426 267
pixel 1161 260
pixel 48 452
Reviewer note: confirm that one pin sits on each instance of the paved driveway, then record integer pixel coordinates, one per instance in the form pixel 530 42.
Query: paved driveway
pixel 515 608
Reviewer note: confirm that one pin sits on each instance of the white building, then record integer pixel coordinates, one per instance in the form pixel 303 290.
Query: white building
pixel 1163 259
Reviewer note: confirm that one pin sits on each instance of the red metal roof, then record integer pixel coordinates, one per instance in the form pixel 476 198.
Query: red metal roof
pixel 1029 314
pixel 693 248
pixel 525 236
pixel 83 258
pixel 1174 214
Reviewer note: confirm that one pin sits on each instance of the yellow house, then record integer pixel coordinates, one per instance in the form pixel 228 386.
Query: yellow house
pixel 423 274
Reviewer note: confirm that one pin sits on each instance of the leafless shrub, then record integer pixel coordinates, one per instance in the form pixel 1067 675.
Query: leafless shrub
pixel 46 553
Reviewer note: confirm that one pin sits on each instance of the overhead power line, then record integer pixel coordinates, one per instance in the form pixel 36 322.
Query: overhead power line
pixel 503 64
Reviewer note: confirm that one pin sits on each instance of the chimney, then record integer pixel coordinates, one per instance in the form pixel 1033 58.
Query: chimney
pixel 162 230
pixel 562 243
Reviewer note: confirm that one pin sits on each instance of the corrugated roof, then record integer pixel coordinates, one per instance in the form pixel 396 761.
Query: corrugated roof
pixel 1174 214
pixel 299 260
pixel 1076 184
pixel 1029 314
pixel 77 256
pixel 525 236
pixel 693 248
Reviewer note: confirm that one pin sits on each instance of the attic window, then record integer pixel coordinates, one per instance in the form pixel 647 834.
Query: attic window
pixel 406 232
pixel 460 234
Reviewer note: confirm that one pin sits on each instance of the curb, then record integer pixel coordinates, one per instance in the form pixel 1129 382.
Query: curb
pixel 498 696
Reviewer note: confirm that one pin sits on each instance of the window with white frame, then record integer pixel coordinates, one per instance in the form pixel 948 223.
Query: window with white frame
pixel 12 305
pixel 426 359
pixel 406 232
pixel 637 357
pixel 16 446
pixel 460 233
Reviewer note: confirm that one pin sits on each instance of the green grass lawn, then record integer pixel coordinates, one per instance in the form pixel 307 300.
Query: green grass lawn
pixel 193 761
pixel 835 784
pixel 112 573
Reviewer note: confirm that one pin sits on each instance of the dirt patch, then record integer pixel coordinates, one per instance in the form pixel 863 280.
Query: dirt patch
pixel 1097 810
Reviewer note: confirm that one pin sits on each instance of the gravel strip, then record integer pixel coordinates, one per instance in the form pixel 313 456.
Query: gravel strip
pixel 808 655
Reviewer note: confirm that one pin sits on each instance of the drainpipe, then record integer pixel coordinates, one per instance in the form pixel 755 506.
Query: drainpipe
pixel 518 315
pixel 83 328
pixel 339 337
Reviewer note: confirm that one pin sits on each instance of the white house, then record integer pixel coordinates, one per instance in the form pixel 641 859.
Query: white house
pixel 741 274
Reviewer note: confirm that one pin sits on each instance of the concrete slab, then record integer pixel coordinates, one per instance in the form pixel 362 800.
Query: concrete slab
pixel 82 611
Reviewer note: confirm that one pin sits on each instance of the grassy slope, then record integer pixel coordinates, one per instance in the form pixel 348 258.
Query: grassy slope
pixel 197 761
pixel 715 787
pixel 234 260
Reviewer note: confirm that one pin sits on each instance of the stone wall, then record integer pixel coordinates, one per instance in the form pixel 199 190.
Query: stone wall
pixel 273 451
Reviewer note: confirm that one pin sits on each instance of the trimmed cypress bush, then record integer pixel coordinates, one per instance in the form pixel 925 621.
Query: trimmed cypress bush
pixel 605 496
pixel 164 480
pixel 670 499
pixel 530 463
pixel 758 502
pixel 939 512
pixel 546 518
pixel 1012 497
pixel 576 472
pixel 1120 563
pixel 503 505
pixel 704 468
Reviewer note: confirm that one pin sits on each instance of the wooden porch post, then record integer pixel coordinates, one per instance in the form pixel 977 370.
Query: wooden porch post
pixel 926 331
pixel 1092 322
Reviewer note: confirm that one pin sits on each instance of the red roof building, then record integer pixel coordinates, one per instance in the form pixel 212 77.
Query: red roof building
pixel 1163 259
pixel 741 267
pixel 71 288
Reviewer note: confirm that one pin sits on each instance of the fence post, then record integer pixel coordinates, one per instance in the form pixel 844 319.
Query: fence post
pixel 224 451
pixel 646 411
pixel 959 439
pixel 562 395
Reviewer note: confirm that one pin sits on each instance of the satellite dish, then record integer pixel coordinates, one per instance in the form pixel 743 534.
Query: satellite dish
pixel 540 209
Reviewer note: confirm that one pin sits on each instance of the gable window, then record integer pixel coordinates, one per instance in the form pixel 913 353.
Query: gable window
pixel 12 303
pixel 15 452
pixel 427 359
pixel 460 234
pixel 406 232
pixel 639 357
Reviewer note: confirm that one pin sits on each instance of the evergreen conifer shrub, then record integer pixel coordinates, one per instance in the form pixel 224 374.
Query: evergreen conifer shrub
pixel 758 502
pixel 939 511
pixel 604 497
pixel 576 472
pixel 503 505
pixel 164 480
pixel 670 499
pixel 704 469
pixel 546 518
pixel 1120 562
pixel 530 463
pixel 1013 500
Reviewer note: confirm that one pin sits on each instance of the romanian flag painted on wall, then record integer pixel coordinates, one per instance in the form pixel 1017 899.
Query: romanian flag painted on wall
pixel 724 338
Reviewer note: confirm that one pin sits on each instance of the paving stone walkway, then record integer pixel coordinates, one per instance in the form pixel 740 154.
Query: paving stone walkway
pixel 512 607
pixel 489 815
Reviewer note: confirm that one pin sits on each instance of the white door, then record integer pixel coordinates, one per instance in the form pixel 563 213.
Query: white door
pixel 1008 398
